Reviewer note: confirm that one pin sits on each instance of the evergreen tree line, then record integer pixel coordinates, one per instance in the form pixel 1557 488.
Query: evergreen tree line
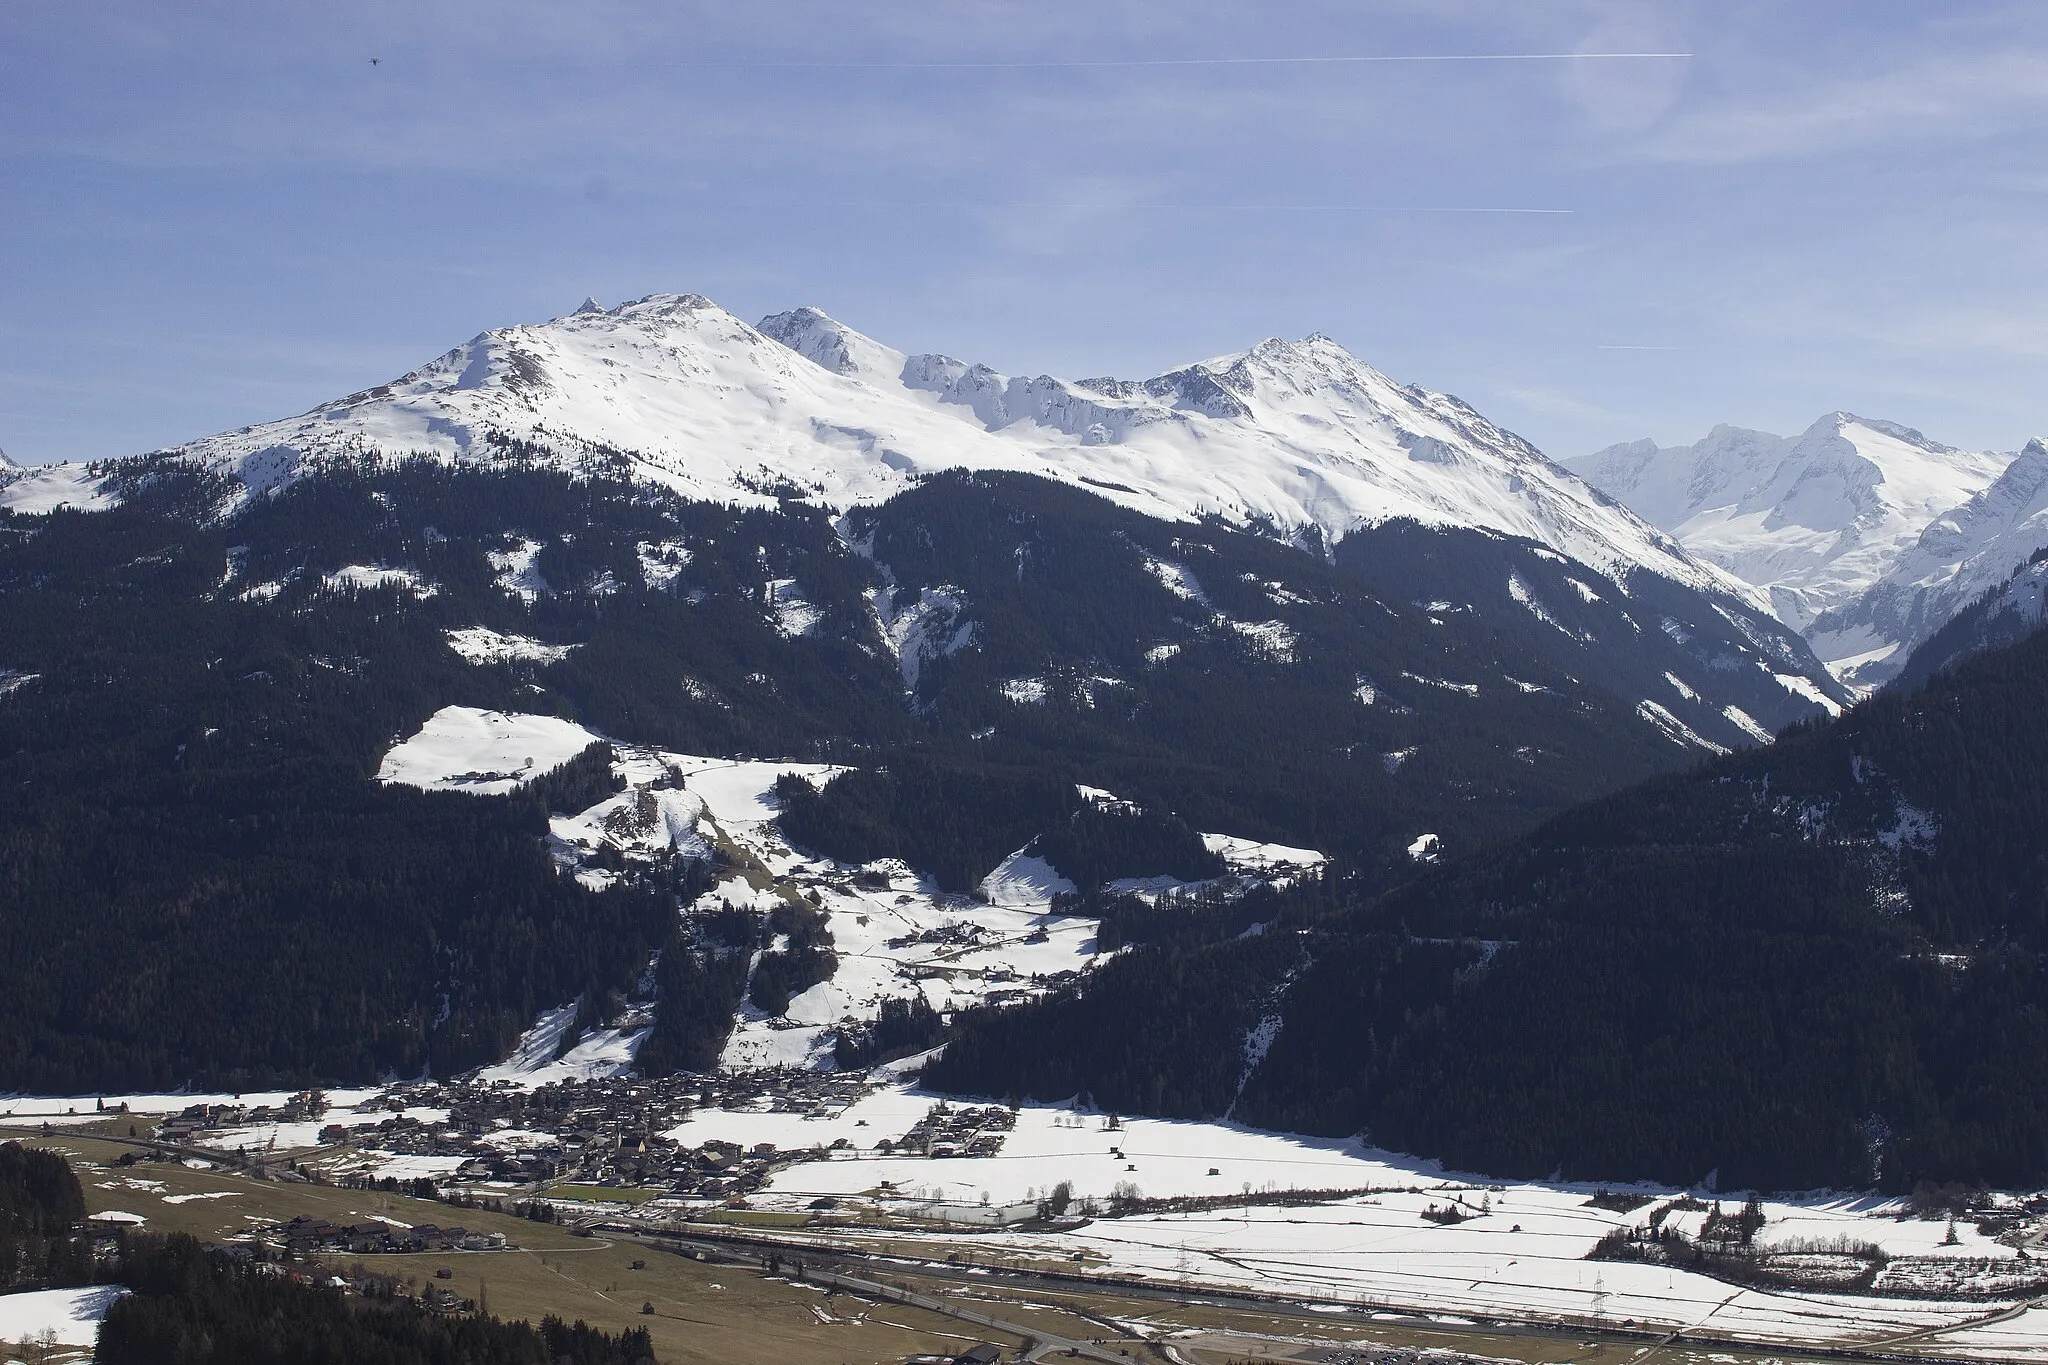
pixel 194 1306
pixel 41 1211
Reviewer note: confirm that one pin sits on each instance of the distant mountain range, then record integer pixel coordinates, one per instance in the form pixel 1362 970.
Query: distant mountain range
pixel 1866 535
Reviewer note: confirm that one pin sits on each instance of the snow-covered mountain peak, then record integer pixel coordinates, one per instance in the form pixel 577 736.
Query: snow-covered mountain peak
pixel 1813 519
pixel 1968 550
pixel 1298 436
pixel 824 340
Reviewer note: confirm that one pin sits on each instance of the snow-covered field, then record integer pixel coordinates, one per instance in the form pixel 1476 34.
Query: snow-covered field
pixel 72 1316
pixel 461 748
pixel 1521 1250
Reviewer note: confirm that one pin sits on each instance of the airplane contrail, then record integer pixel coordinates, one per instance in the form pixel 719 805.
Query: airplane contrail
pixel 1198 61
pixel 1143 207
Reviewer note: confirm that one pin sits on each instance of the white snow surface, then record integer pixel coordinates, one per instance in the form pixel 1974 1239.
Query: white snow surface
pixel 1676 730
pixel 482 645
pixel 489 753
pixel 1958 556
pixel 1813 519
pixel 362 577
pixel 43 488
pixel 1024 879
pixel 1248 856
pixel 931 627
pixel 1866 535
pixel 1299 434
pixel 599 1053
pixel 73 1316
pixel 518 574
pixel 33 1110
pixel 1521 1250
pixel 790 611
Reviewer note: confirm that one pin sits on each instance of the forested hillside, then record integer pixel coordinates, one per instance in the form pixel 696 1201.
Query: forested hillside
pixel 201 882
pixel 1815 963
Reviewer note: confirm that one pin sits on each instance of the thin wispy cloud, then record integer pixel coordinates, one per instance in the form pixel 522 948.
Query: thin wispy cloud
pixel 1931 100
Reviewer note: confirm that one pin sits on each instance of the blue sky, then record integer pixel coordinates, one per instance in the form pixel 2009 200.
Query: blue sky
pixel 214 214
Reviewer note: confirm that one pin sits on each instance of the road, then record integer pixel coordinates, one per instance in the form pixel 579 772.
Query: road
pixel 1039 1343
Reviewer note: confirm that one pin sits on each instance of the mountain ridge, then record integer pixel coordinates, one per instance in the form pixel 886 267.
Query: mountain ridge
pixel 1298 436
pixel 1865 534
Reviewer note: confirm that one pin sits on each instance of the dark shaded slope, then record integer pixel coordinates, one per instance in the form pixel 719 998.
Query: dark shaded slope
pixel 1816 963
pixel 199 879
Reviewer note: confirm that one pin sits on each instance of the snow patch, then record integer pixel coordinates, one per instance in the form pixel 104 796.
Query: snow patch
pixel 1024 879
pixel 1177 579
pixel 1026 691
pixel 792 613
pixel 1526 596
pixel 518 574
pixel 1249 856
pixel 1744 722
pixel 599 1053
pixel 662 562
pixel 368 577
pixel 1915 829
pixel 931 627
pixel 1275 639
pixel 1801 686
pixel 489 753
pixel 1676 730
pixel 482 645
pixel 1469 689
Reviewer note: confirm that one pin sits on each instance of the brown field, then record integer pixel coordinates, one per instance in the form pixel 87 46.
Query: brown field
pixel 725 1314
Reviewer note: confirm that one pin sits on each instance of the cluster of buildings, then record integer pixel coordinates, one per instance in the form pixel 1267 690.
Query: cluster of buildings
pixel 946 1131
pixel 194 1121
pixel 306 1234
pixel 608 1132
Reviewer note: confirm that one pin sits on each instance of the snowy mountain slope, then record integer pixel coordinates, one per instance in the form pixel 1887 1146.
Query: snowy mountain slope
pixel 37 489
pixel 1959 556
pixel 1813 520
pixel 1999 617
pixel 1297 435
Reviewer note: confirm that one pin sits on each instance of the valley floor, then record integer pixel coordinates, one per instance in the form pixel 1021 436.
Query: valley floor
pixel 1320 1224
